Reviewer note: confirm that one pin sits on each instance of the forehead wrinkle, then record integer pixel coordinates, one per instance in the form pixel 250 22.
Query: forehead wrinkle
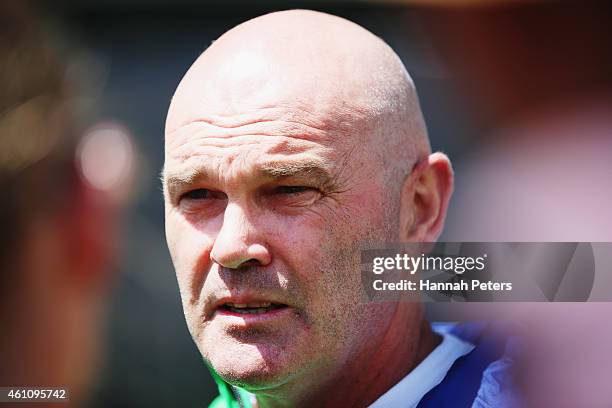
pixel 299 123
pixel 268 128
pixel 230 147
pixel 198 147
pixel 294 118
pixel 201 134
pixel 296 112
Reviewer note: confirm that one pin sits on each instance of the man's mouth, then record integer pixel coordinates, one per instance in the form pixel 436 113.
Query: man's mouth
pixel 252 307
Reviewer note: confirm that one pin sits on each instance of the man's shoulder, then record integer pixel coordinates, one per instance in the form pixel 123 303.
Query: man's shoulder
pixel 483 377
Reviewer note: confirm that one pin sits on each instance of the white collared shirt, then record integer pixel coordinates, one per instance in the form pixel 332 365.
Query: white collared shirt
pixel 424 377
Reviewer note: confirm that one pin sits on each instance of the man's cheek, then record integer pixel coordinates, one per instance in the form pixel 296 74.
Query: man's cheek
pixel 191 257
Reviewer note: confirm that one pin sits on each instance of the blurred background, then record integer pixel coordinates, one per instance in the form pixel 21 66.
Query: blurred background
pixel 516 93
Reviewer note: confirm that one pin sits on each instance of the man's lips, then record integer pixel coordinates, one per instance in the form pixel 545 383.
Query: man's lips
pixel 238 312
pixel 246 306
pixel 251 307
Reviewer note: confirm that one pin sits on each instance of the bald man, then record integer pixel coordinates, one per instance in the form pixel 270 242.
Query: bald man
pixel 293 140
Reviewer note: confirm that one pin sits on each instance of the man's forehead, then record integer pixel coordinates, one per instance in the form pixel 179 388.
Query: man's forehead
pixel 285 128
pixel 302 76
pixel 229 106
pixel 290 120
pixel 259 143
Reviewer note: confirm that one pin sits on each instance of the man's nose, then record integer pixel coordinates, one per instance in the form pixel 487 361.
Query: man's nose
pixel 239 242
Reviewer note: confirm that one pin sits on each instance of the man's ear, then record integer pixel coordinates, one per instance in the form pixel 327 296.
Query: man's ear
pixel 424 199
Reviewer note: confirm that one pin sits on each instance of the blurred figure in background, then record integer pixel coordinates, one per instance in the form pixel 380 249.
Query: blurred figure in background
pixel 538 78
pixel 57 220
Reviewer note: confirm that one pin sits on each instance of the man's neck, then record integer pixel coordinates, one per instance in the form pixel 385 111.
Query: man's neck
pixel 373 371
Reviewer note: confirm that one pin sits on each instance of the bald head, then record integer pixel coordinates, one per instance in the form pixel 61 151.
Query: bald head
pixel 322 69
pixel 288 145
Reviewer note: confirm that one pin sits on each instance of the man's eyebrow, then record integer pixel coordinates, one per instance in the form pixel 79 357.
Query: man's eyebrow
pixel 174 180
pixel 314 170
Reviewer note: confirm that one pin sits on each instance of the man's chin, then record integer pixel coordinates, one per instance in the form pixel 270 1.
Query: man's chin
pixel 250 374
pixel 251 366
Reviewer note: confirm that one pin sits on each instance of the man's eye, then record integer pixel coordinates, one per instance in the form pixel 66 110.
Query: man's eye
pixel 292 190
pixel 198 194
